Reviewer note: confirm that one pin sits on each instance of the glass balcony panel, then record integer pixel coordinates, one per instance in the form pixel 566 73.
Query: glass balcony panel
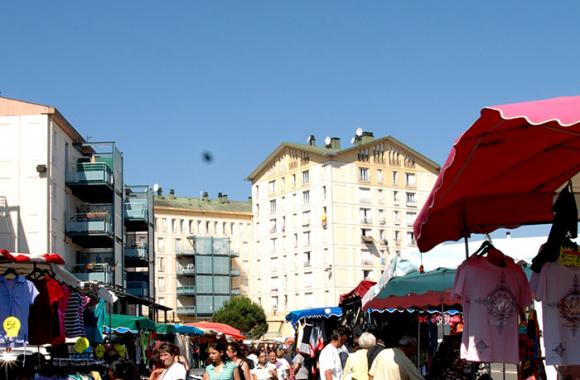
pixel 93 272
pixel 186 310
pixel 138 251
pixel 138 288
pixel 91 173
pixel 186 290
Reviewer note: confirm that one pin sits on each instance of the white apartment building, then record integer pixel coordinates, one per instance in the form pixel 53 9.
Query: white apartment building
pixel 325 218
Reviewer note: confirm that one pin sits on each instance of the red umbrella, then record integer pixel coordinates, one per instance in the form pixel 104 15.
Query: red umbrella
pixel 504 171
pixel 218 328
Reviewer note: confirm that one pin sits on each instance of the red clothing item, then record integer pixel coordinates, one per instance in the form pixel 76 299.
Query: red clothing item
pixel 43 321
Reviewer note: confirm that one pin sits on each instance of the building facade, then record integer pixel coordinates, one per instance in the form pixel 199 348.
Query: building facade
pixel 60 193
pixel 325 218
pixel 202 247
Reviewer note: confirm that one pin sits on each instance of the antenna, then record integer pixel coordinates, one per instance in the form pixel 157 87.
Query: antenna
pixel 359 132
pixel 327 140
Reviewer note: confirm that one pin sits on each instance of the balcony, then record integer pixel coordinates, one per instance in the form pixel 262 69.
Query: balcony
pixel 138 288
pixel 91 229
pixel 366 220
pixel 94 272
pixel 186 290
pixel 136 214
pixel 185 271
pixel 136 255
pixel 91 181
pixel 190 310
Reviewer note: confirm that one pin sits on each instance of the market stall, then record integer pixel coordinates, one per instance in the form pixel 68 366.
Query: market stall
pixel 506 171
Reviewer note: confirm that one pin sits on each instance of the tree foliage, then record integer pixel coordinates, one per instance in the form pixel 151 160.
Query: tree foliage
pixel 245 315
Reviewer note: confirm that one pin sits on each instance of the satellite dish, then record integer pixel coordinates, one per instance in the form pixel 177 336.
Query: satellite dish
pixel 156 187
pixel 327 140
pixel 359 132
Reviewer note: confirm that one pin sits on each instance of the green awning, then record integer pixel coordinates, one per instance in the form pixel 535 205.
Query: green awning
pixel 123 323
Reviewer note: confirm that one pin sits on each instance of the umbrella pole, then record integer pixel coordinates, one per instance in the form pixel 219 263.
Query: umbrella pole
pixel 466 247
pixel 418 341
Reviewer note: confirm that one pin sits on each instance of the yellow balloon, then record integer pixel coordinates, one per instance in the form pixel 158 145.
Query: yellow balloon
pixel 11 326
pixel 81 344
pixel 100 351
pixel 121 350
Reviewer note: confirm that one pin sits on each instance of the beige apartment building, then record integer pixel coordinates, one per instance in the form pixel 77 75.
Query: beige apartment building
pixel 203 246
pixel 326 217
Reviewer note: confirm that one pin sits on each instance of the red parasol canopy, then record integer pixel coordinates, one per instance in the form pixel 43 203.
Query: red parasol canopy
pixel 359 291
pixel 504 171
pixel 218 328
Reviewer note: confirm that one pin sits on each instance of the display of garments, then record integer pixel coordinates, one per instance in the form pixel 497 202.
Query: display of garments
pixel 94 319
pixel 16 296
pixel 62 304
pixel 558 287
pixel 43 318
pixel 447 365
pixel 491 296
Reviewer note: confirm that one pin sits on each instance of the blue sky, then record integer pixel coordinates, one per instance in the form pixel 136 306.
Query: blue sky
pixel 168 80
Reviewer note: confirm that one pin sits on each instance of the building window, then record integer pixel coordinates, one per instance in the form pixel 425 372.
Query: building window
pixel 397 237
pixel 160 244
pixel 273 245
pixel 306 238
pixel 177 245
pixel 410 179
pixel 174 226
pixel 306 256
pixel 295 240
pixel 395 197
pixel 161 284
pixel 157 225
pixel 257 191
pixel 379 176
pixel 395 178
pixel 323 193
pixel 382 219
pixel 365 215
pixel 364 195
pixel 271 187
pixel 164 225
pixel 257 210
pixel 272 226
pixel 293 181
pixel 306 218
pixel 273 207
pixel 397 217
pixel 366 273
pixel 183 229
pixel 366 258
pixel 191 227
pixel 363 174
pixel 410 218
pixel 411 201
pixel 306 197
pixel 283 184
pixel 411 238
pixel 305 177
pixel 161 266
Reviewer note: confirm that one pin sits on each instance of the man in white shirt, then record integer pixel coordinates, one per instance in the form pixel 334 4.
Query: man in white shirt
pixel 329 362
pixel 394 363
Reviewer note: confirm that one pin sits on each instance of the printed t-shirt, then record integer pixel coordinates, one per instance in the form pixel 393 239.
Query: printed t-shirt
pixel 491 296
pixel 43 318
pixel 16 296
pixel 329 359
pixel 558 287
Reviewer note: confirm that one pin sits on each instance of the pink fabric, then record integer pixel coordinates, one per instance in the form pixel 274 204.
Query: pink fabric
pixel 62 304
pixel 491 298
pixel 558 287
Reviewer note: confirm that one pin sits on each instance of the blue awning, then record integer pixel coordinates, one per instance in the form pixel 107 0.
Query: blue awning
pixel 319 312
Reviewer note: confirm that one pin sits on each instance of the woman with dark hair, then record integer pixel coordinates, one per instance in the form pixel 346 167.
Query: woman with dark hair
pixel 236 356
pixel 123 369
pixel 221 368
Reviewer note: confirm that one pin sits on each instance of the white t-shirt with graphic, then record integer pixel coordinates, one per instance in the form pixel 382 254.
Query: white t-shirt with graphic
pixel 491 296
pixel 558 288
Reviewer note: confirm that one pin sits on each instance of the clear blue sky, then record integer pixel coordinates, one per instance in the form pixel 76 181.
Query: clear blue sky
pixel 168 80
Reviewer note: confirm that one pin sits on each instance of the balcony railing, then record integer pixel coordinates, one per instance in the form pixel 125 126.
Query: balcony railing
pixel 91 173
pixel 185 271
pixel 137 251
pixel 138 288
pixel 93 272
pixel 136 209
pixel 185 250
pixel 186 310
pixel 366 220
pixel 186 290
pixel 98 222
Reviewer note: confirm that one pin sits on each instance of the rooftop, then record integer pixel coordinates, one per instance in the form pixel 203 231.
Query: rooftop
pixel 203 204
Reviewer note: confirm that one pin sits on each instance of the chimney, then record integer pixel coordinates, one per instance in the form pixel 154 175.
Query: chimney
pixel 172 193
pixel 335 143
pixel 204 196
pixel 366 137
pixel 219 195
pixel 224 198
pixel 311 140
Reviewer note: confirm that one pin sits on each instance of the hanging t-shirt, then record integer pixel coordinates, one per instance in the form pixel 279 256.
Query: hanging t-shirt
pixel 558 287
pixel 16 296
pixel 73 324
pixel 43 319
pixel 491 296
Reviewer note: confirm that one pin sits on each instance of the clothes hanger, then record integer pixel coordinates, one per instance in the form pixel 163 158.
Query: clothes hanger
pixel 10 270
pixel 36 273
